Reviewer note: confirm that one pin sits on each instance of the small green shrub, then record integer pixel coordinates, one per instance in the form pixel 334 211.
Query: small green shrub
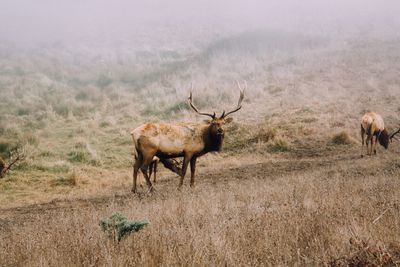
pixel 118 226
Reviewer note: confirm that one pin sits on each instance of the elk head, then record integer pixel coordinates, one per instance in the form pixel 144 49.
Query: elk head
pixel 384 138
pixel 216 130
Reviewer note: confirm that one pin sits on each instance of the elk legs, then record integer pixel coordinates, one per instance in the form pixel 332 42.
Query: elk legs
pixel 376 141
pixel 370 138
pixel 362 140
pixel 143 164
pixel 192 170
pixel 136 166
pixel 185 164
pixel 146 176
pixel 153 166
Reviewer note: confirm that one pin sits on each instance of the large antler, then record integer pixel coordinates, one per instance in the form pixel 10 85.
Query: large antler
pixel 190 99
pixel 393 134
pixel 239 104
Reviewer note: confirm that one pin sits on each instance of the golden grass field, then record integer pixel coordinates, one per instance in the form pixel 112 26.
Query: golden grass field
pixel 288 189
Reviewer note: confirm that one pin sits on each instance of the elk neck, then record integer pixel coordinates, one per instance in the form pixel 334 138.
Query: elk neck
pixel 212 141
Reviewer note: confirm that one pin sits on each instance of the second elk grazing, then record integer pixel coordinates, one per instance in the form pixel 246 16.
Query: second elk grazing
pixel 187 140
pixel 372 125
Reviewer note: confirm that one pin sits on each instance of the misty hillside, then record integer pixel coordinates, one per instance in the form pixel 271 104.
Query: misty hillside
pixel 108 94
pixel 292 185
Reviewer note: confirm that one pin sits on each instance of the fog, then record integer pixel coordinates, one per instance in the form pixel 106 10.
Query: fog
pixel 29 23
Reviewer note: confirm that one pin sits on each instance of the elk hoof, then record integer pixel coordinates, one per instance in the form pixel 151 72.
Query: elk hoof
pixel 362 156
pixel 133 190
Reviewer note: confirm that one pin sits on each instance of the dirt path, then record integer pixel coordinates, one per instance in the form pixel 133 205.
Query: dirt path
pixel 344 160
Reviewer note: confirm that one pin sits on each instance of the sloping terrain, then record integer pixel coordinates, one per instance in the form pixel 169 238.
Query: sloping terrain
pixel 291 210
pixel 288 188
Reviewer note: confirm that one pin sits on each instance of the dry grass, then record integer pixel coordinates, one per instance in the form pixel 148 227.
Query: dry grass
pixel 303 218
pixel 342 138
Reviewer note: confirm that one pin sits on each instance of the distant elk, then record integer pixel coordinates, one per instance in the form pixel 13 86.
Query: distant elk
pixel 187 140
pixel 372 125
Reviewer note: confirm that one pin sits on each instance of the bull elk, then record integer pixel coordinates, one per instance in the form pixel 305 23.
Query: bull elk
pixel 187 140
pixel 372 125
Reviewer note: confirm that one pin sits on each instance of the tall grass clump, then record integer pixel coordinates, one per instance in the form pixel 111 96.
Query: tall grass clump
pixel 342 138
pixel 279 145
pixel 70 179
pixel 242 137
pixel 83 153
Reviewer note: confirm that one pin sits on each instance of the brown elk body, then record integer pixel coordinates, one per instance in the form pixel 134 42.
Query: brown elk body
pixel 187 140
pixel 372 125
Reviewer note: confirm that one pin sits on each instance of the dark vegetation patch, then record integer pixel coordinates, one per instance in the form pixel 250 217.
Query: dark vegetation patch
pixel 342 138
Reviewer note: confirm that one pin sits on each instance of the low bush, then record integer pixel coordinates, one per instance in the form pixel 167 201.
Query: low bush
pixel 118 226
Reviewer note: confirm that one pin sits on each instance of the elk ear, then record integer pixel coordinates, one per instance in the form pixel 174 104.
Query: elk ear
pixel 207 121
pixel 228 120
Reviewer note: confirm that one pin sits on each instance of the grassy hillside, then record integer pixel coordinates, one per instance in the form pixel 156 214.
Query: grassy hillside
pixel 289 187
pixel 73 109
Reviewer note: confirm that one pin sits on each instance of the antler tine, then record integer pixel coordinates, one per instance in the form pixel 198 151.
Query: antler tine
pixel 393 134
pixel 240 87
pixel 238 84
pixel 239 104
pixel 190 99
